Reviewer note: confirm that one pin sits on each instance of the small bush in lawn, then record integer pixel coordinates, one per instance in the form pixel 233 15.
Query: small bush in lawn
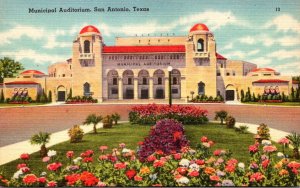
pixel 75 134
pixel 167 136
pixel 107 122
pixel 243 129
pixel 222 114
pixel 263 131
pixel 116 117
pixel 230 122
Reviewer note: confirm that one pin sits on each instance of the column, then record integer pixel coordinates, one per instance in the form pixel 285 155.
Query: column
pixel 120 89
pixel 150 88
pixel 135 88
pixel 166 88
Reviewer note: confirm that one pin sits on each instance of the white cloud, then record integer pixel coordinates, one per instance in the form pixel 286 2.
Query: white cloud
pixel 289 41
pixel 261 61
pixel 289 68
pixel 228 46
pixel 285 54
pixel 247 40
pixel 285 23
pixel 253 52
pixel 235 55
pixel 38 58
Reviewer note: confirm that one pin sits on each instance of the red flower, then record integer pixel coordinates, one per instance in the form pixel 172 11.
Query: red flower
pixel 211 143
pixel 25 169
pixel 119 166
pixel 194 173
pixel 232 162
pixel 157 185
pixel 88 179
pixel 265 163
pixel 158 163
pixel 181 170
pixel 30 179
pixel 269 149
pixel 284 141
pixel 200 162
pixel 42 179
pixel 294 164
pixel 103 157
pixel 159 152
pixel 70 154
pixel 151 158
pixel 52 184
pixel 88 159
pixel 204 139
pixel 54 166
pixel 214 178
pixel 21 165
pixel 217 152
pixel 24 156
pixel 177 156
pixel 256 177
pixel 138 178
pixel 140 143
pixel 253 149
pixel 130 173
pixel 230 168
pixel 177 135
pixel 72 179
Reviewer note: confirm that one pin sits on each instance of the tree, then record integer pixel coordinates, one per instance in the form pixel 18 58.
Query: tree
pixel 295 141
pixel 70 94
pixel 49 96
pixel 115 117
pixel 221 115
pixel 9 68
pixel 93 119
pixel 2 96
pixel 242 96
pixel 42 138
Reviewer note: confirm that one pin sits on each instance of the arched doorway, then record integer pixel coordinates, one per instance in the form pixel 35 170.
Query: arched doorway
pixel 176 82
pixel 201 88
pixel 128 79
pixel 86 89
pixel 230 93
pixel 143 86
pixel 113 84
pixel 61 93
pixel 159 84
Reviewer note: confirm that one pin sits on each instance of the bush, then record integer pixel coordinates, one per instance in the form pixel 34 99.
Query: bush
pixel 75 134
pixel 149 114
pixel 222 114
pixel 80 99
pixel 243 129
pixel 167 136
pixel 230 122
pixel 263 132
pixel 107 122
pixel 116 117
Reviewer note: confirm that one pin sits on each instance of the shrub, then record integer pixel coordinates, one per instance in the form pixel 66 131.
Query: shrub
pixel 75 134
pixel 149 114
pixel 230 122
pixel 166 136
pixel 80 99
pixel 116 117
pixel 295 142
pixel 243 129
pixel 107 122
pixel 263 131
pixel 93 119
pixel 42 138
pixel 222 114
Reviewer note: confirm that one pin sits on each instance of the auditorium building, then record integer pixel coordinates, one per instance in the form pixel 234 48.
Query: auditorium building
pixel 137 68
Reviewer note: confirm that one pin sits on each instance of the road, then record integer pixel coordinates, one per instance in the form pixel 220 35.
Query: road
pixel 19 123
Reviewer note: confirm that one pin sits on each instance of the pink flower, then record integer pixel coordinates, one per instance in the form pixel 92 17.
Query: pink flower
pixel 230 168
pixel 42 179
pixel 294 165
pixel 265 163
pixel 30 179
pixel 70 154
pixel 204 139
pixel 119 166
pixel 214 178
pixel 211 143
pixel 24 156
pixel 138 178
pixel 25 169
pixel 102 148
pixel 122 145
pixel 194 173
pixel 256 177
pixel 46 159
pixel 253 149
pixel 54 166
pixel 200 162
pixel 151 158
pixel 218 152
pixel 88 159
pixel 182 170
pixel 103 157
pixel 269 149
pixel 177 156
pixel 158 163
pixel 52 184
pixel 284 141
pixel 19 166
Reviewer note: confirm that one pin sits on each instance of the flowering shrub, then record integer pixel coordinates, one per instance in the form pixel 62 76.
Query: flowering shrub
pixel 189 167
pixel 149 114
pixel 81 99
pixel 167 137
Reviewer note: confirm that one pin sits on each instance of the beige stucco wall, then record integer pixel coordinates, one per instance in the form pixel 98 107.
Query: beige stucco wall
pixel 145 41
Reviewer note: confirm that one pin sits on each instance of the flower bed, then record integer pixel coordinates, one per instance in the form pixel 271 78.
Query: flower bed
pixel 19 102
pixel 80 100
pixel 189 167
pixel 149 114
pixel 206 101
pixel 271 101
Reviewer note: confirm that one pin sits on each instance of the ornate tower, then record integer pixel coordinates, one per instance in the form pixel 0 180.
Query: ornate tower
pixel 87 63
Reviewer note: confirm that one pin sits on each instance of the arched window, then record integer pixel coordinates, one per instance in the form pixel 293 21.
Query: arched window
pixel 144 81
pixel 200 45
pixel 86 89
pixel 129 81
pixel 86 46
pixel 115 81
pixel 201 88
pixel 159 81
pixel 174 80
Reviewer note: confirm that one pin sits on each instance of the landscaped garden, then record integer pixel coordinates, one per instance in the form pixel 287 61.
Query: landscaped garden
pixel 167 154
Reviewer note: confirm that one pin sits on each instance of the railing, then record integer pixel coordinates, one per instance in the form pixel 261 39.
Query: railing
pixel 201 54
pixel 86 56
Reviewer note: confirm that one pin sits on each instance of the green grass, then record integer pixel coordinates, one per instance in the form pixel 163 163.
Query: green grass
pixel 19 105
pixel 132 134
pixel 276 104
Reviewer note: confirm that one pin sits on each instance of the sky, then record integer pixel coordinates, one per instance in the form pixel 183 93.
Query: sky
pixel 253 31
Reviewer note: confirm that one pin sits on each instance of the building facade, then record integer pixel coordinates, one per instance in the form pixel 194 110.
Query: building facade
pixel 137 68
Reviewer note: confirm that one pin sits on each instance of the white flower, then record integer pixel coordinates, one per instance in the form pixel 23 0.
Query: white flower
pixel 280 155
pixel 17 174
pixel 51 153
pixel 241 165
pixel 266 142
pixel 125 150
pixel 192 152
pixel 183 180
pixel 77 159
pixel 184 162
pixel 43 174
pixel 194 167
pixel 206 144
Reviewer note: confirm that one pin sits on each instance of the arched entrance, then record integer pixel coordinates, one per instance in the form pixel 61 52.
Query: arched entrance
pixel 230 93
pixel 159 84
pixel 113 84
pixel 128 77
pixel 61 93
pixel 143 86
pixel 176 82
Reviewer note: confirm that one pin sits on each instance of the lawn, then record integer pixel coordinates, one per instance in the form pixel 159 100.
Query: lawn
pixel 132 134
pixel 20 105
pixel 276 104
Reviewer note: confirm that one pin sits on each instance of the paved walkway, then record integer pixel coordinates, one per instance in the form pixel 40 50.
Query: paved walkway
pixel 12 152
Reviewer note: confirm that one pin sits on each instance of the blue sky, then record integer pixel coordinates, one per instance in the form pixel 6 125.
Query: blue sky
pixel 244 30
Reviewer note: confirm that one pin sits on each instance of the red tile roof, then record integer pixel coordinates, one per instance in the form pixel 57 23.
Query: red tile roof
pixel 199 27
pixel 21 82
pixel 270 81
pixel 32 72
pixel 140 49
pixel 220 57
pixel 263 70
pixel 89 28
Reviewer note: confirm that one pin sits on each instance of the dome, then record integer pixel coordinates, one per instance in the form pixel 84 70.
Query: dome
pixel 89 29
pixel 263 70
pixel 32 72
pixel 199 27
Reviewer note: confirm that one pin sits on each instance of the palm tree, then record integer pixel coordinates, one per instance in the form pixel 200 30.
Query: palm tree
pixel 93 119
pixel 221 115
pixel 115 117
pixel 42 138
pixel 295 141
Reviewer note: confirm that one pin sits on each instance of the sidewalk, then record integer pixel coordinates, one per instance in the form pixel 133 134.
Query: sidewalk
pixel 13 151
